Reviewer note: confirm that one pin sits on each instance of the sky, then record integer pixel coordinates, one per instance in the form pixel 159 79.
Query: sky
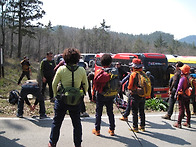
pixel 176 17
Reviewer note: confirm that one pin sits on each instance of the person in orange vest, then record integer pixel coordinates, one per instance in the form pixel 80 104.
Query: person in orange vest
pixel 137 101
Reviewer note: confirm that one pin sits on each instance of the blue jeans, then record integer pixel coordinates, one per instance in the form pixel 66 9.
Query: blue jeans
pixel 60 110
pixel 35 91
pixel 128 108
pixel 108 102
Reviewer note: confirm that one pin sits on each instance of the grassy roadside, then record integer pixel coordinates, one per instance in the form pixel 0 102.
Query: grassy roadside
pixel 8 110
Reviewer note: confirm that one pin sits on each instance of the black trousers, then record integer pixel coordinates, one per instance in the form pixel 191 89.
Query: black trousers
pixel 172 101
pixel 138 106
pixel 24 73
pixel 193 103
pixel 35 91
pixel 49 82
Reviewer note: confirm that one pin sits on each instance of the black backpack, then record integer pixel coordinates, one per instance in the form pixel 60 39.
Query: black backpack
pixel 13 97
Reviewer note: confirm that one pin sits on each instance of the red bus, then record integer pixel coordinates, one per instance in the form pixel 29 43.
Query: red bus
pixel 123 58
pixel 157 64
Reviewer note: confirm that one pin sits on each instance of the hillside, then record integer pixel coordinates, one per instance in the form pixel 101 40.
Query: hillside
pixel 12 73
pixel 189 39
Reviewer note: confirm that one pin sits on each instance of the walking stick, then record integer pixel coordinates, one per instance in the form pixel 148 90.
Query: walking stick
pixel 130 126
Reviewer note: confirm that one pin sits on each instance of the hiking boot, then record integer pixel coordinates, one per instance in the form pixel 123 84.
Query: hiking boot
pixel 134 129
pixel 20 116
pixel 142 128
pixel 84 114
pixel 96 132
pixel 186 125
pixel 166 117
pixel 111 132
pixel 177 125
pixel 43 116
pixel 123 118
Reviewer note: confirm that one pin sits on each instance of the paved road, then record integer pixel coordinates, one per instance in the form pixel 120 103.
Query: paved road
pixel 29 132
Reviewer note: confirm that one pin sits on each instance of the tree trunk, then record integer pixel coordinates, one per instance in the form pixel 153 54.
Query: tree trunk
pixel 12 44
pixel 19 31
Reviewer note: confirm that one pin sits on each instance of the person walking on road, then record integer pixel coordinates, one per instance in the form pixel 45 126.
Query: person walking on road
pixel 63 74
pixel 172 90
pixel 47 73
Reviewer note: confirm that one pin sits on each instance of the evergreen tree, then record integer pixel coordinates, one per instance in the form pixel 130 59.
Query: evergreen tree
pixel 160 44
pixel 173 48
pixel 23 12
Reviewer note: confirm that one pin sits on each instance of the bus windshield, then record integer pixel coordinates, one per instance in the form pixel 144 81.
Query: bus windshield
pixel 157 65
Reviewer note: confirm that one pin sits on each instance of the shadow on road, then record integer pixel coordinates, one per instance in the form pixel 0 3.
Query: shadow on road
pixel 11 124
pixel 153 125
pixel 129 142
pixel 90 120
pixel 167 138
pixel 44 123
pixel 5 142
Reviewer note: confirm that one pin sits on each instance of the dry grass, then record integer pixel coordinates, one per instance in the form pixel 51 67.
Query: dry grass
pixel 8 110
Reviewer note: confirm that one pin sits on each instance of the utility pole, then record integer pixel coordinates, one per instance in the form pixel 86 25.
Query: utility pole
pixel 1 63
pixel 2 2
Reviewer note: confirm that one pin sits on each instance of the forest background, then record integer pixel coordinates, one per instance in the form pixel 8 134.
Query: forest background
pixel 20 36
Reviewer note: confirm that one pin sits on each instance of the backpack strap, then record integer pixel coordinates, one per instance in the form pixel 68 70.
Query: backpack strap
pixel 72 69
pixel 136 80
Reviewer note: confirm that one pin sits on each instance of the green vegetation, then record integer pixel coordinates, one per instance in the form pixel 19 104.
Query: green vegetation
pixel 156 104
pixel 12 73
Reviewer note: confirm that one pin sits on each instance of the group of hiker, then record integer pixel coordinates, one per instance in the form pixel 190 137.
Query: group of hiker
pixel 69 83
pixel 182 88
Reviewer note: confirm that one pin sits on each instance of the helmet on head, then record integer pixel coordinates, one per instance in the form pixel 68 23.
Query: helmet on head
pixel 185 69
pixel 136 63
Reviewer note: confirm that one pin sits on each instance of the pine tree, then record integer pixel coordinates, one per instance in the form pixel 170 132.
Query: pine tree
pixel 21 13
pixel 160 44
